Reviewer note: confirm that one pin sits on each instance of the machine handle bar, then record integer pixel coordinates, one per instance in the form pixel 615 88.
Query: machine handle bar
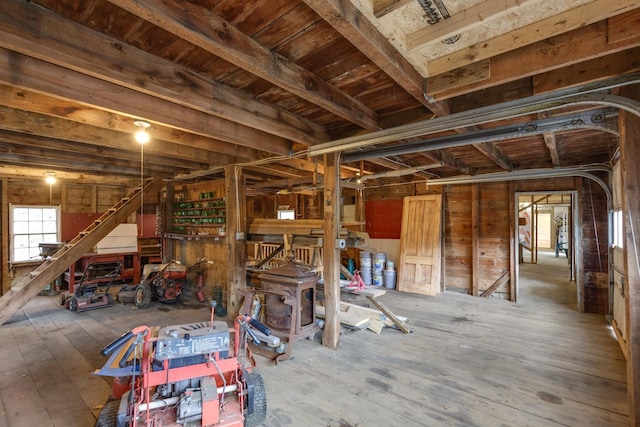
pixel 116 343
pixel 260 326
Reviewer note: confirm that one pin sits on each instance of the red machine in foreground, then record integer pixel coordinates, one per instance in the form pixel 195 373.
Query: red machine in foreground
pixel 192 374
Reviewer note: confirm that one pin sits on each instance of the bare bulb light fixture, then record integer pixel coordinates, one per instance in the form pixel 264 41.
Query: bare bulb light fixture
pixel 50 178
pixel 142 136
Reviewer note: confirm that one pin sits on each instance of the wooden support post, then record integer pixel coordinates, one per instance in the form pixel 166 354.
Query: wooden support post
pixel 236 237
pixel 331 253
pixel 475 239
pixel 514 243
pixel 6 274
pixel 629 159
pixel 360 210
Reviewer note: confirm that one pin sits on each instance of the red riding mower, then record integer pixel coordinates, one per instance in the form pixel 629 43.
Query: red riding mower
pixel 197 374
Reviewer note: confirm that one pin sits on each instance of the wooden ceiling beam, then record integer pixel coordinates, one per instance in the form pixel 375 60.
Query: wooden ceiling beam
pixel 20 99
pixel 215 35
pixel 39 76
pixel 494 154
pixel 49 147
pixel 576 17
pixel 345 18
pixel 37 32
pixel 551 55
pixel 20 172
pixel 385 7
pixel 550 142
pixel 64 130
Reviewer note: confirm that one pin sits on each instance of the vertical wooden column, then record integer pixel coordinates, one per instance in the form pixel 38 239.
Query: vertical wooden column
pixel 514 243
pixel 629 159
pixel 5 284
pixel 475 239
pixel 236 237
pixel 360 215
pixel 331 253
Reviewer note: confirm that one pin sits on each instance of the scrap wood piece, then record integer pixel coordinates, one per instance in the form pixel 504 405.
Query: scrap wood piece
pixel 348 317
pixel 377 319
pixel 383 308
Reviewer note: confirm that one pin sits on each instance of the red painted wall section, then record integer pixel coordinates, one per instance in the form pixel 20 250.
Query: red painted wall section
pixel 383 218
pixel 74 223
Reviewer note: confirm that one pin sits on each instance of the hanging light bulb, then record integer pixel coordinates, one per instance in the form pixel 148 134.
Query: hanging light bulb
pixel 50 178
pixel 142 136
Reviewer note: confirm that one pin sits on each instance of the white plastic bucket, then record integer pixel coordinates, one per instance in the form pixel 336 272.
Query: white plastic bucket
pixel 379 260
pixel 390 279
pixel 390 265
pixel 377 277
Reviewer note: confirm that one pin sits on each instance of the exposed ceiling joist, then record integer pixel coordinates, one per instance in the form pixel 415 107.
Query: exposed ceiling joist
pixel 219 37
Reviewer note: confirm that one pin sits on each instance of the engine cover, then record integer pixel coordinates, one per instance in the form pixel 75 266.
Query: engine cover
pixel 192 339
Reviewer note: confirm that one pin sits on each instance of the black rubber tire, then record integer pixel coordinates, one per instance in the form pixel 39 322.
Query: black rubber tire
pixel 142 296
pixel 108 416
pixel 259 403
pixel 73 304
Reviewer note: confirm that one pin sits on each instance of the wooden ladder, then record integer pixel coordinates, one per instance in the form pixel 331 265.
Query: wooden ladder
pixel 34 282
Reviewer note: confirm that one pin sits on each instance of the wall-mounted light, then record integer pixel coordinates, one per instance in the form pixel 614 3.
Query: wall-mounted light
pixel 50 178
pixel 142 136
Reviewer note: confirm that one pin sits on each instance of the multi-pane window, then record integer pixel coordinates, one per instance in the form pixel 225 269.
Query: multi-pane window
pixel 30 226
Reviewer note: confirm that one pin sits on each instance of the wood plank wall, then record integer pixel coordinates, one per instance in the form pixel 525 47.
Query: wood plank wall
pixel 72 198
pixel 595 247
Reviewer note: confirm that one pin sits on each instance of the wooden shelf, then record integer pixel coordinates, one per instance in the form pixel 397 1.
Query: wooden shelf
pixel 204 237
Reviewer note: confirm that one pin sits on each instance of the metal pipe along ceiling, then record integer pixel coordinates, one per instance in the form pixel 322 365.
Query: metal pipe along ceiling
pixel 581 95
pixel 582 120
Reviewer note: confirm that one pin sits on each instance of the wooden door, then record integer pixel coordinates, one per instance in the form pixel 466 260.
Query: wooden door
pixel 419 268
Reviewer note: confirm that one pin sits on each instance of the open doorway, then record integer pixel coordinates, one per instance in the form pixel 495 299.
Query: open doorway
pixel 546 272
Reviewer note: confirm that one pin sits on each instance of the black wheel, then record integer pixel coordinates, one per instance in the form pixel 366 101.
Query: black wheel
pixel 142 296
pixel 259 414
pixel 108 415
pixel 73 304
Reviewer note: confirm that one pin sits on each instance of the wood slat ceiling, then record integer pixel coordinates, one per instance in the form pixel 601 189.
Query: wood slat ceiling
pixel 243 81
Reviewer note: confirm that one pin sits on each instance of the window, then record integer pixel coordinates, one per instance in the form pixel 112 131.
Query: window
pixel 286 214
pixel 30 226
pixel 618 229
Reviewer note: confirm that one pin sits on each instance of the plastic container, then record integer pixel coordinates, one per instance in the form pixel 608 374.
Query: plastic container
pixel 376 277
pixel 365 275
pixel 390 265
pixel 380 259
pixel 390 279
pixel 365 261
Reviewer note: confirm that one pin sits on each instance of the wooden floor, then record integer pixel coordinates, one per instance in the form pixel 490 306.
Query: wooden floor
pixel 469 362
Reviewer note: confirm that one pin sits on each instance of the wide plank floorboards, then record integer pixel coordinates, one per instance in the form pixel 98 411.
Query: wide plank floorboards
pixel 469 362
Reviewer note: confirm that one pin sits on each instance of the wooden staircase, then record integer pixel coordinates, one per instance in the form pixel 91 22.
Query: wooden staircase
pixel 54 266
